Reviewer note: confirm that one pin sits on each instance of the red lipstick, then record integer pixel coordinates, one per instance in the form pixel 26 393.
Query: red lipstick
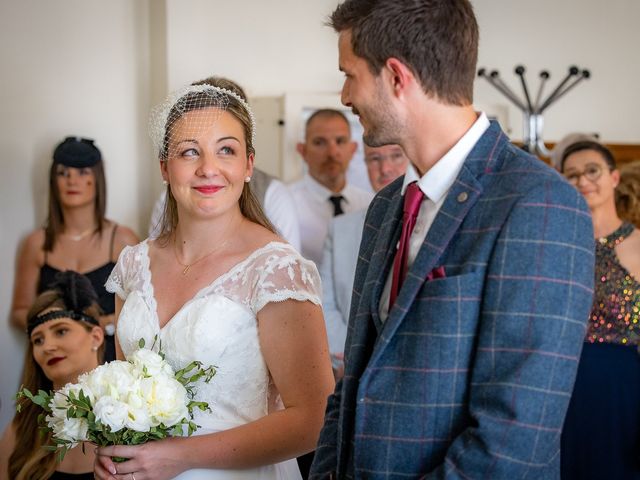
pixel 54 360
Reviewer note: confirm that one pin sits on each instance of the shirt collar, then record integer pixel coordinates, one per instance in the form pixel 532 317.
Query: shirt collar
pixel 323 192
pixel 437 181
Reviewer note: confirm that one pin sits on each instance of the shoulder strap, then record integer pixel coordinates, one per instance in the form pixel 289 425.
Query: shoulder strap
pixel 44 249
pixel 113 237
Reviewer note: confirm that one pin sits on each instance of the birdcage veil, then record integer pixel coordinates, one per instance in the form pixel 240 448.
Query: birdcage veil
pixel 194 98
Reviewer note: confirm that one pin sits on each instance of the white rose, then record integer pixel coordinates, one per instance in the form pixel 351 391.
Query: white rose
pixel 137 415
pixel 56 424
pixel 166 399
pixel 111 412
pixel 153 363
pixel 85 386
pixel 115 379
pixel 74 430
pixel 59 404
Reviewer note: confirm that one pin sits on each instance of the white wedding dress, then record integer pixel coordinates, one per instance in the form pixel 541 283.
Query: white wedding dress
pixel 218 327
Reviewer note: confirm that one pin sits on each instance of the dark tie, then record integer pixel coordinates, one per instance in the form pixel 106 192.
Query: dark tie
pixel 412 200
pixel 337 204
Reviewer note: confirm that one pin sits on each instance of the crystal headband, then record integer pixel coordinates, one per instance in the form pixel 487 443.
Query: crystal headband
pixel 160 114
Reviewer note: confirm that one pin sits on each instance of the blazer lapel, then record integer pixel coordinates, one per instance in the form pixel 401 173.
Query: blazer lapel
pixel 460 199
pixel 383 254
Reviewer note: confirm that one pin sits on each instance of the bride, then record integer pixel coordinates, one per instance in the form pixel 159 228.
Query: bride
pixel 221 287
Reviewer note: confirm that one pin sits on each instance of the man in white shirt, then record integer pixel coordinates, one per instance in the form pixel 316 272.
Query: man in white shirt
pixel 324 192
pixel 384 164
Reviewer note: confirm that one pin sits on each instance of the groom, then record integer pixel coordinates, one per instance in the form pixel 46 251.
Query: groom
pixel 475 271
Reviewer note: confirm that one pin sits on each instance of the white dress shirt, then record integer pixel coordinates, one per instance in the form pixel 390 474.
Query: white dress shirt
pixel 277 207
pixel 435 185
pixel 315 211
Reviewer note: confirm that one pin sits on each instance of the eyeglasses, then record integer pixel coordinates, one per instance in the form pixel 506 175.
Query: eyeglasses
pixel 592 172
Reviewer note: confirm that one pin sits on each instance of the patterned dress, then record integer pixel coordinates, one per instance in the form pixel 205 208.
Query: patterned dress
pixel 601 435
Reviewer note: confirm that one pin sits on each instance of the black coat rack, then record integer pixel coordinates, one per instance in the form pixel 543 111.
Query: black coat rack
pixel 532 111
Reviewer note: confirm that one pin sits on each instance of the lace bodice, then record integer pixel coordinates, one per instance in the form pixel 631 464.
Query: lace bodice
pixel 217 326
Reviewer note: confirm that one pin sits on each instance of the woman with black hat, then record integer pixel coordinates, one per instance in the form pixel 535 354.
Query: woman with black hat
pixel 76 236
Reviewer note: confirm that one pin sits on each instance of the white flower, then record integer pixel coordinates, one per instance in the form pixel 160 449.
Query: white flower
pixel 166 400
pixel 56 423
pixel 111 412
pixel 145 359
pixel 115 379
pixel 70 429
pixel 124 397
pixel 74 430
pixel 137 412
pixel 59 404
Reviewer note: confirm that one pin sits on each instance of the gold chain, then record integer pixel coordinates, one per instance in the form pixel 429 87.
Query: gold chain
pixel 189 265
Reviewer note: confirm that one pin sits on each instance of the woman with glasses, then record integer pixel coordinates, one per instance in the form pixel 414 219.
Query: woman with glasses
pixel 601 435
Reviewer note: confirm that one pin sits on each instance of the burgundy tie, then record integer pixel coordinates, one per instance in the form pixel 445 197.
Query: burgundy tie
pixel 412 200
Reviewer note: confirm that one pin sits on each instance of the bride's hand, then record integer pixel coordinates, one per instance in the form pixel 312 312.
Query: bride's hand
pixel 157 460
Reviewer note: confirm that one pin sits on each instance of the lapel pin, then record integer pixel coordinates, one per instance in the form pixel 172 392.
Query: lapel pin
pixel 463 197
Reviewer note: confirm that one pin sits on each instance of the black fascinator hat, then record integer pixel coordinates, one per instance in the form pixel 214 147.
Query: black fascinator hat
pixel 77 152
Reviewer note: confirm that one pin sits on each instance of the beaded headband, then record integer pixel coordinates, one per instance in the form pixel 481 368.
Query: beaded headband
pixel 189 99
pixel 55 314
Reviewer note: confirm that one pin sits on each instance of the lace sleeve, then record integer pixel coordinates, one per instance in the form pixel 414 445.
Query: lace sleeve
pixel 283 274
pixel 119 281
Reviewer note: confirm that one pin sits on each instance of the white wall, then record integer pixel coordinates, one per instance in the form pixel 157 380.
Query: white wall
pixel 554 34
pixel 68 67
pixel 283 46
pixel 88 67
pixel 269 47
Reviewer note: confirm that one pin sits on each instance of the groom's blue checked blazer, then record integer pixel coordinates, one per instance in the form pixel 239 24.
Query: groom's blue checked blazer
pixel 470 375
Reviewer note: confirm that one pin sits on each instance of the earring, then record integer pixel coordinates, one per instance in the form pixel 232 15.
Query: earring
pixel 165 183
pixel 247 180
pixel 94 348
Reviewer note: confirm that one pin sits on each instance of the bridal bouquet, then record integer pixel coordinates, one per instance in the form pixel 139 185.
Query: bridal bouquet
pixel 123 403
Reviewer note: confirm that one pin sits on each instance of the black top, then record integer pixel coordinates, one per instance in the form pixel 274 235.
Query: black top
pixel 98 278
pixel 71 476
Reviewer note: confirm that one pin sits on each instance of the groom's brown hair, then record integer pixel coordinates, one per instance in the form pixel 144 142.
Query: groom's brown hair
pixel 436 39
